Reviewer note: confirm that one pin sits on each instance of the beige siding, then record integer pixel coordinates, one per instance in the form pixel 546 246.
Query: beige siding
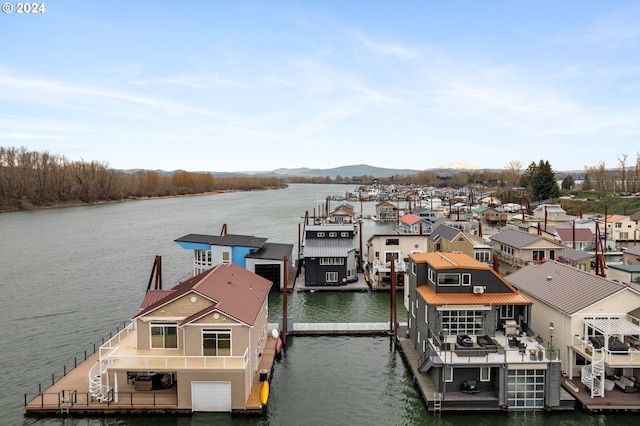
pixel 239 389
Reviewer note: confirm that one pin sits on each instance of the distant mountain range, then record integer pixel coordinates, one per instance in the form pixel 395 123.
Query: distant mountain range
pixel 344 171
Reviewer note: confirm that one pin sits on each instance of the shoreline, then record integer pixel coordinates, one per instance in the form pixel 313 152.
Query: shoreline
pixel 26 206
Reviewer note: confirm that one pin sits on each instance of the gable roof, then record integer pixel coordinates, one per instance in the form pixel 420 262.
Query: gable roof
pixel 563 287
pixel 233 290
pixel 328 247
pixel 518 239
pixel 614 218
pixel 444 231
pixel 582 234
pixel 410 219
pixel 230 240
pixel 576 255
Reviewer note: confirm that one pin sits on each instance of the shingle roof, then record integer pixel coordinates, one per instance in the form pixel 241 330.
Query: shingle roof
pixel 233 290
pixel 444 231
pixel 562 286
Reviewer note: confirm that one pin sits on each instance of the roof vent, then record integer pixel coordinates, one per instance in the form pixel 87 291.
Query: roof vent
pixel 549 277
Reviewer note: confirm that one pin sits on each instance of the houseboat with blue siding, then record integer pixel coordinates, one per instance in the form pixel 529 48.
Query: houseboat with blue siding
pixel 252 253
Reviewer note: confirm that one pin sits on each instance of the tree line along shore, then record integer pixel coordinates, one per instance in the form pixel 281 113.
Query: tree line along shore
pixel 33 180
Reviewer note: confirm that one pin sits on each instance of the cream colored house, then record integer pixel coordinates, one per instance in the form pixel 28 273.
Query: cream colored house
pixel 202 339
pixel 575 312
pixel 619 228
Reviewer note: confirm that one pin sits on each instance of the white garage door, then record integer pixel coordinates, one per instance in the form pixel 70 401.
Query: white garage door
pixel 211 396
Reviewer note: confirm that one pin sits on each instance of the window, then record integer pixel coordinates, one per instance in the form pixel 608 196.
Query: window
pixel 413 269
pixel 506 311
pixel 538 254
pixel 624 236
pixel 392 241
pixel 462 322
pixel 333 234
pixel 164 336
pixel 216 342
pixel 344 234
pixel 388 254
pixel 466 279
pixel 618 225
pixel 485 374
pixel 482 256
pixel 331 277
pixel 448 279
pixel 320 234
pixel 438 247
pixel 432 276
pixel 448 374
pixel 332 261
pixel 226 257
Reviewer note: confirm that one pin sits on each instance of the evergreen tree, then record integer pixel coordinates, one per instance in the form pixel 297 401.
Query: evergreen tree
pixel 540 180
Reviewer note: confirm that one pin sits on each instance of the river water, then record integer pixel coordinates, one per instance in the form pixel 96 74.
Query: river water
pixel 69 276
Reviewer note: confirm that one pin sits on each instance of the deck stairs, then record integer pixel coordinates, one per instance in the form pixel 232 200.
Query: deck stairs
pixel 96 388
pixel 593 375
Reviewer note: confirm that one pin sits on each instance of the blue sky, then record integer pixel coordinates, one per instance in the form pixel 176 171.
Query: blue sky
pixel 241 85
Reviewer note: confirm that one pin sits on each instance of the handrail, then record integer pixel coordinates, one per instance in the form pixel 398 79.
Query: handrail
pixel 80 357
pixel 54 400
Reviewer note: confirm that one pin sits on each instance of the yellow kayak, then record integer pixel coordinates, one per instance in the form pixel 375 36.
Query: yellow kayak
pixel 264 392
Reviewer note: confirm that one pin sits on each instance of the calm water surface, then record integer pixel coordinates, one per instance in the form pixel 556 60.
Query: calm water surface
pixel 70 276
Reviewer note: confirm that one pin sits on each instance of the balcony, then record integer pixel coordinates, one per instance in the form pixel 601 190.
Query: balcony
pixel 121 353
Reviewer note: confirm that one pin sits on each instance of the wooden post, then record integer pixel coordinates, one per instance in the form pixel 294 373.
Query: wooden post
pixel 285 293
pixel 392 319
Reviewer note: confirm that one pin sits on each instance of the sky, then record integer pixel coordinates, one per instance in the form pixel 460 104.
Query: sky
pixel 256 86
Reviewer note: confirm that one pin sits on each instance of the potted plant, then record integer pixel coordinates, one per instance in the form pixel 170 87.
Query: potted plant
pixel 533 354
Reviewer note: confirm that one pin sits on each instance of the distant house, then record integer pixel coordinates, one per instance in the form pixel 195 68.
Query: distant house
pixel 619 228
pixel 577 238
pixel 381 248
pixel 343 214
pixel 516 249
pixel 386 211
pixel 467 323
pixel 429 214
pixel 445 238
pixel 471 227
pixel 329 255
pixel 252 253
pixel 490 215
pixel 577 258
pixel 201 340
pixel 553 213
pixel 412 224
pixel 586 319
pixel 626 274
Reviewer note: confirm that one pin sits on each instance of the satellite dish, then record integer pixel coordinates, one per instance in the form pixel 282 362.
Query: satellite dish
pixel 275 333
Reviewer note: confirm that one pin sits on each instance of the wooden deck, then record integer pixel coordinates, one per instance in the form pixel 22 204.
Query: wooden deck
pixel 70 394
pixel 613 400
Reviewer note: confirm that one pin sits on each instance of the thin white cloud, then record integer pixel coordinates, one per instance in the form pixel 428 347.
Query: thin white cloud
pixel 385 49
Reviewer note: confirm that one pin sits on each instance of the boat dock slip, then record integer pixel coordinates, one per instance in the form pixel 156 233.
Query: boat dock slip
pixel 338 328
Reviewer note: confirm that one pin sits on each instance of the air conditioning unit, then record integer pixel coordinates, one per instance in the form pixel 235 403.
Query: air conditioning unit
pixel 478 289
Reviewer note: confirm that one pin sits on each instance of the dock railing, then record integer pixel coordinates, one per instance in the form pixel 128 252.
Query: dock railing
pixel 78 358
pixel 78 401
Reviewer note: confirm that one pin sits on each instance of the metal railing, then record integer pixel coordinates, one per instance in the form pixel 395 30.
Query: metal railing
pixel 80 357
pixel 79 400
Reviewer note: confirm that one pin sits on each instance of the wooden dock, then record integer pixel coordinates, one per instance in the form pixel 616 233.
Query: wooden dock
pixel 339 328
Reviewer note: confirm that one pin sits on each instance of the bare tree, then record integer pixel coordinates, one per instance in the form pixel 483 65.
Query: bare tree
pixel 622 161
